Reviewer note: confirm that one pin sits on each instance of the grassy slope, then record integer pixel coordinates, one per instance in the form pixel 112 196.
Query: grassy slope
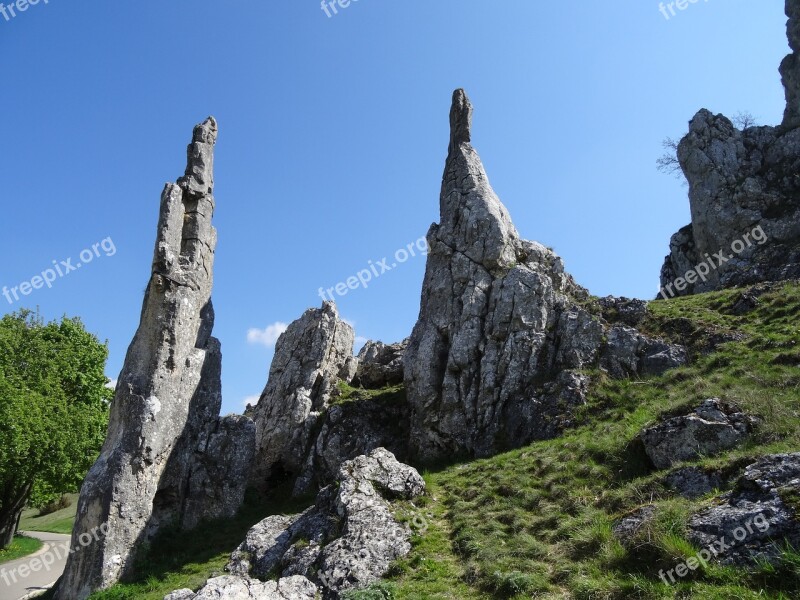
pixel 60 521
pixel 536 522
pixel 21 546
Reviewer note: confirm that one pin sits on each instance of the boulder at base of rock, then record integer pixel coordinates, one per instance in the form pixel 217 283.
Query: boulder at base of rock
pixel 353 428
pixel 347 540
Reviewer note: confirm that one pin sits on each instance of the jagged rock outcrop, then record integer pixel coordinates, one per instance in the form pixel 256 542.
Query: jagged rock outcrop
pixel 311 356
pixel 347 540
pixel 628 353
pixel 627 311
pixel 754 521
pixel 380 365
pixel 353 428
pixel 168 456
pixel 744 192
pixel 494 359
pixel 712 427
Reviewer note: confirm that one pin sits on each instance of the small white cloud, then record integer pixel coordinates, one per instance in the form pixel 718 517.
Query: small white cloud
pixel 250 400
pixel 349 322
pixel 268 336
pixel 112 385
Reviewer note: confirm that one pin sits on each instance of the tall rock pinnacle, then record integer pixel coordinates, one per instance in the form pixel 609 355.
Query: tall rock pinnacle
pixel 495 359
pixel 168 457
pixel 490 310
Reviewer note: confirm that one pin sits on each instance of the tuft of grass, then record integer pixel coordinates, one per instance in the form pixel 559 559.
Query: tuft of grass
pixel 394 394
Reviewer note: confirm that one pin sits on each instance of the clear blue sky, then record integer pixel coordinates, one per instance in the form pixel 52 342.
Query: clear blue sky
pixel 333 134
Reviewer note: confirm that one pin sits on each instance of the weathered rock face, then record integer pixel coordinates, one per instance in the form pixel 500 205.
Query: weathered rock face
pixel 347 540
pixel 165 458
pixel 311 356
pixel 714 426
pixel 744 192
pixel 380 364
pixel 218 476
pixel 351 429
pixel 754 520
pixel 492 362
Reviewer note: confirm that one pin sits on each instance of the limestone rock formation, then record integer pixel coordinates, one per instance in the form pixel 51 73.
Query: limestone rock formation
pixel 712 427
pixel 347 540
pixel 380 365
pixel 493 360
pixel 757 518
pixel 628 353
pixel 351 429
pixel 167 457
pixel 744 193
pixel 311 356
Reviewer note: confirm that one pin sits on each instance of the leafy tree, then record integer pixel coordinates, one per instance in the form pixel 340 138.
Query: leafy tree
pixel 53 410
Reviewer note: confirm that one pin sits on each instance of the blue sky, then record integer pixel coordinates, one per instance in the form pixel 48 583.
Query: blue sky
pixel 333 135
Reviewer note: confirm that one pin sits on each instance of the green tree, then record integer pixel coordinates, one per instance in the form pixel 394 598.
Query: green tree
pixel 53 410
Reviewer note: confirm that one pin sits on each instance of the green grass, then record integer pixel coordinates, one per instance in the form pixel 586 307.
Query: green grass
pixel 347 393
pixel 21 547
pixel 60 521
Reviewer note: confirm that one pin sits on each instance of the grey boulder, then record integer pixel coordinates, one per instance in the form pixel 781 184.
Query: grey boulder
pixel 712 427
pixel 380 365
pixel 347 540
pixel 242 588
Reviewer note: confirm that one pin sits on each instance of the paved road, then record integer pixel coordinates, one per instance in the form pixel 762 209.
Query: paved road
pixel 42 578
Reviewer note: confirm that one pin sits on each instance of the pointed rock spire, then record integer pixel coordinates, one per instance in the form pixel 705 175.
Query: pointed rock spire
pixel 460 120
pixel 168 458
pixel 472 217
